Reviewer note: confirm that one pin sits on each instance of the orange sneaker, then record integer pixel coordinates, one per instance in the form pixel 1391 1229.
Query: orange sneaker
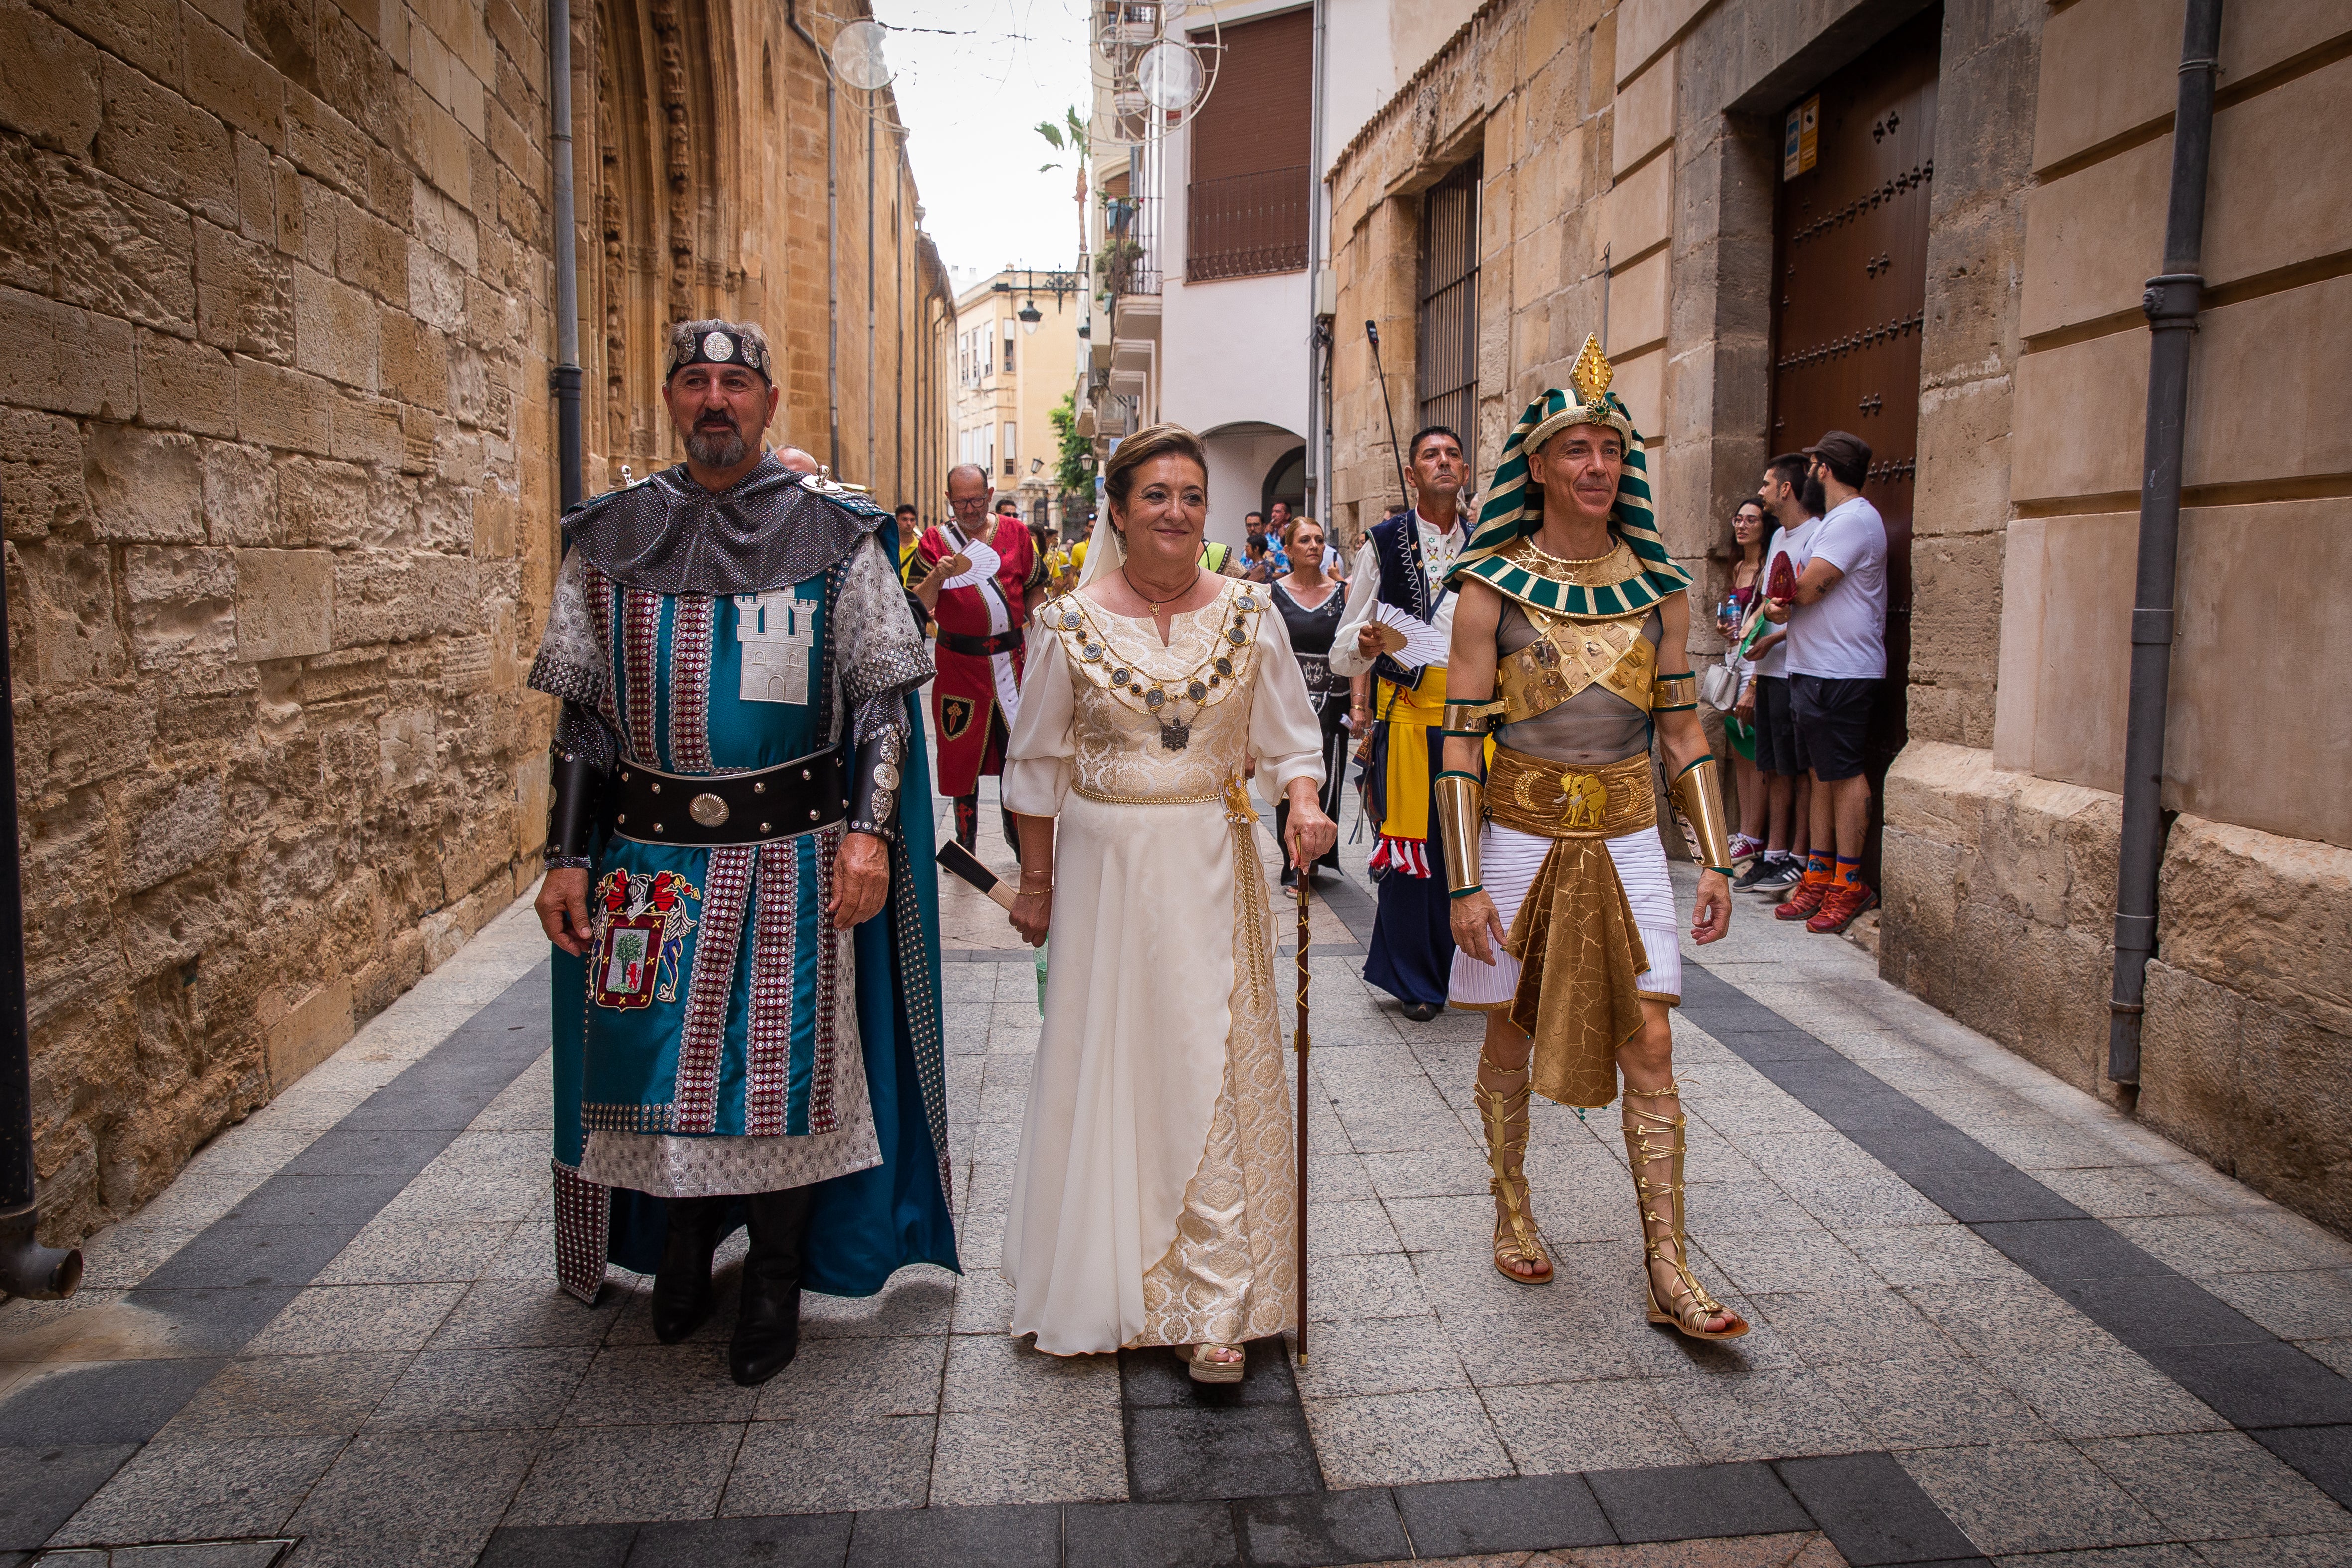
pixel 1806 897
pixel 1845 901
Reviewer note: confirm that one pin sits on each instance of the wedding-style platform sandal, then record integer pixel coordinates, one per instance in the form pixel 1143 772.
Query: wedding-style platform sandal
pixel 1660 1204
pixel 1516 1239
pixel 1205 1368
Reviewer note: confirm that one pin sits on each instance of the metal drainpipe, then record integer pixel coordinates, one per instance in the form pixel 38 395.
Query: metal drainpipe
pixel 565 379
pixel 1318 468
pixel 832 240
pixel 2170 303
pixel 871 482
pixel 26 1267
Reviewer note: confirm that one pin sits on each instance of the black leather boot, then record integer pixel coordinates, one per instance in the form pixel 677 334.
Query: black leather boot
pixel 768 1326
pixel 682 1293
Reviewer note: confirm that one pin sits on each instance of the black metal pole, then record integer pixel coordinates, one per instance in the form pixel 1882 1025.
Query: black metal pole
pixel 565 378
pixel 26 1267
pixel 1372 330
pixel 2170 302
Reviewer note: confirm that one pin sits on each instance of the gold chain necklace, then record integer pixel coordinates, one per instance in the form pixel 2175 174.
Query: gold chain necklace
pixel 1569 564
pixel 1201 687
pixel 1128 579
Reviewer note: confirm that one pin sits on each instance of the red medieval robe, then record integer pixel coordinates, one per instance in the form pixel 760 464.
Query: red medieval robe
pixel 978 687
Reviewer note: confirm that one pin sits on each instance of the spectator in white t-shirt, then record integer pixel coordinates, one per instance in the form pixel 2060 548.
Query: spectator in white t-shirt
pixel 1779 756
pixel 1837 657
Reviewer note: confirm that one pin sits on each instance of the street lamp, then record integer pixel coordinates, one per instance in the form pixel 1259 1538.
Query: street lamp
pixel 1029 315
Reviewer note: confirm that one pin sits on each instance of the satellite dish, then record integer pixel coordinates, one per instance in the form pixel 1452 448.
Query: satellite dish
pixel 858 56
pixel 1169 77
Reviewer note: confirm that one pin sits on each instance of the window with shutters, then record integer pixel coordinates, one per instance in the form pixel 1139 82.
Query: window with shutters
pixel 1449 302
pixel 1246 207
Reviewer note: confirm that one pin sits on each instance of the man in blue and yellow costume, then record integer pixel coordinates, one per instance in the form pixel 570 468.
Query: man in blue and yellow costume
pixel 1403 566
pixel 1571 648
pixel 746 986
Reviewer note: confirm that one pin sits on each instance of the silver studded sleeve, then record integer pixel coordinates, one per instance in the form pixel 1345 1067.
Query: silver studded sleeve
pixel 570 666
pixel 879 656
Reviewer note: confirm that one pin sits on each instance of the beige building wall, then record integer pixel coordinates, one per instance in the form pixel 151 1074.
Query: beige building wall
pixel 1044 360
pixel 277 466
pixel 1646 133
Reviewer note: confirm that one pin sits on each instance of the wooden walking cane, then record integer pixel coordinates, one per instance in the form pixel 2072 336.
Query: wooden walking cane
pixel 1298 1043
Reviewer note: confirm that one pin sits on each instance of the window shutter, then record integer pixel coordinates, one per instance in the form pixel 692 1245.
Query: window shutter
pixel 1245 208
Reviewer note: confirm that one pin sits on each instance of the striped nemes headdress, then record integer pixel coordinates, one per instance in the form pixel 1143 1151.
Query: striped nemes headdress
pixel 1514 506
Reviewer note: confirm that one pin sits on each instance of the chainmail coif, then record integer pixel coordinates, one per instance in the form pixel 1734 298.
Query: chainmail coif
pixel 671 535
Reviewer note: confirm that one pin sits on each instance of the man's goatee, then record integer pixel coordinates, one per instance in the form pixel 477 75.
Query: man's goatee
pixel 716 448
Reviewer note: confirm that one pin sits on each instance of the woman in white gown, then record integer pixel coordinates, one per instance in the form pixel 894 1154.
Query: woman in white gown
pixel 1154 1202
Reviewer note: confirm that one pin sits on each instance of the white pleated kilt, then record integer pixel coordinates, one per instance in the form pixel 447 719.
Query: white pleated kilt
pixel 1508 861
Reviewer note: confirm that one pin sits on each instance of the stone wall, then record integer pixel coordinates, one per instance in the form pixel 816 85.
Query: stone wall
pixel 277 470
pixel 274 412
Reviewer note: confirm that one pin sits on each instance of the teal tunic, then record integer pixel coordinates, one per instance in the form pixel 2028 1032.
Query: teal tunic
pixel 718 1002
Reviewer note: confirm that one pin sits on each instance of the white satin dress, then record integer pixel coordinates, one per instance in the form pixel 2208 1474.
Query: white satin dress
pixel 1155 1201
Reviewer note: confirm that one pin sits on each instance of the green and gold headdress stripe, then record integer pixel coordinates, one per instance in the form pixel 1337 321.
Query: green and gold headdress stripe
pixel 1514 507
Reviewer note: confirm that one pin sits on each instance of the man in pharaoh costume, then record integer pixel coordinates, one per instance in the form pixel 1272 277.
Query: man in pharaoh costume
pixel 978 575
pixel 746 986
pixel 1570 643
pixel 1402 566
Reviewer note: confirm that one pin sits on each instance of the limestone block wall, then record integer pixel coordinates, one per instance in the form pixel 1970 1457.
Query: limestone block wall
pixel 273 461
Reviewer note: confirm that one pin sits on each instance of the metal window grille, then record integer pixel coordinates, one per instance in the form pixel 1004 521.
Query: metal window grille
pixel 1244 225
pixel 1448 360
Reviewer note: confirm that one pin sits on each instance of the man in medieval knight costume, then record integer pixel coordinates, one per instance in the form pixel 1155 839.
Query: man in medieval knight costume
pixel 739 1038
pixel 1403 566
pixel 1570 644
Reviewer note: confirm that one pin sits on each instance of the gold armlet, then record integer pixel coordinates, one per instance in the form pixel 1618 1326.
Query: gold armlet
pixel 1671 693
pixel 1461 807
pixel 1700 800
pixel 1471 718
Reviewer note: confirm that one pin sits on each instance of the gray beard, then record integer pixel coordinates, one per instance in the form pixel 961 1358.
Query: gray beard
pixel 717 448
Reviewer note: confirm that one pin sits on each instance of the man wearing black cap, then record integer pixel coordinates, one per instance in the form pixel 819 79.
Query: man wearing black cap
pixel 745 981
pixel 1837 656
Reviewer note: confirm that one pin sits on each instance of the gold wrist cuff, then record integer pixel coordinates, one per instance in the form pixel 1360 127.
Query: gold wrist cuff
pixel 1698 798
pixel 1472 718
pixel 1461 807
pixel 1674 691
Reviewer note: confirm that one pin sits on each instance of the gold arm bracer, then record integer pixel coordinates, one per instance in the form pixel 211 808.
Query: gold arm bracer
pixel 1472 718
pixel 1700 799
pixel 1670 693
pixel 1461 807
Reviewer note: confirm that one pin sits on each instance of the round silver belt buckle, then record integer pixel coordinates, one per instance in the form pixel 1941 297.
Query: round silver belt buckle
pixel 708 809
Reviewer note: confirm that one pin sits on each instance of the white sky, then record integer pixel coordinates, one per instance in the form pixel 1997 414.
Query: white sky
pixel 971 96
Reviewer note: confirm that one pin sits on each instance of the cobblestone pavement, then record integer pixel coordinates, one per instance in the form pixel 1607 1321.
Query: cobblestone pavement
pixel 1994 1321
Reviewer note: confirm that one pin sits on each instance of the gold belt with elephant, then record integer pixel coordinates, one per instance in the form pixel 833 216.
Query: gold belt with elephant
pixel 1570 800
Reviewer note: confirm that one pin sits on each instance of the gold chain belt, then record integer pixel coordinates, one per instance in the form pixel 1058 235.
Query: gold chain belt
pixel 1556 800
pixel 1217 797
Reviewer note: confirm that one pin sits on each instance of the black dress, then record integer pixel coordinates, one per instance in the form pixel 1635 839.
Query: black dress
pixel 1311 632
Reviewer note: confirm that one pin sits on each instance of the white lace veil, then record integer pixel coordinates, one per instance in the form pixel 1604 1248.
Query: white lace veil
pixel 1105 552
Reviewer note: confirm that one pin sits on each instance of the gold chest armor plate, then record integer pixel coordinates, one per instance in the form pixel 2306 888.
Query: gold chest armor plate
pixel 1569 656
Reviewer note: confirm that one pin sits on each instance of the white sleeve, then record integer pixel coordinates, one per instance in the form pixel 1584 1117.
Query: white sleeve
pixel 1038 751
pixel 1363 592
pixel 1285 736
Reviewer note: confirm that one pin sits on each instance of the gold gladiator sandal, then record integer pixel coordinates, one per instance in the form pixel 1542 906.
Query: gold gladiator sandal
pixel 1655 1138
pixel 1516 1238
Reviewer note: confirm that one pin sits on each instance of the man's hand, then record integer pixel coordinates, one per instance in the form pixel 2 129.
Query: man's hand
pixel 1711 915
pixel 1777 611
pixel 1475 919
pixel 861 880
pixel 1032 914
pixel 1745 707
pixel 562 907
pixel 1368 640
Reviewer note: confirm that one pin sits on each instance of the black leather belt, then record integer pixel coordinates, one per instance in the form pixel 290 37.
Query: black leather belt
pixel 981 647
pixel 702 810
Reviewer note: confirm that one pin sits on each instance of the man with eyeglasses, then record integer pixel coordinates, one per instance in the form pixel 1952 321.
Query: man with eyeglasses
pixel 977 691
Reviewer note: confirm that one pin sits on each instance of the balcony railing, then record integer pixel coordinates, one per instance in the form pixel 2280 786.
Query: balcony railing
pixel 1244 225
